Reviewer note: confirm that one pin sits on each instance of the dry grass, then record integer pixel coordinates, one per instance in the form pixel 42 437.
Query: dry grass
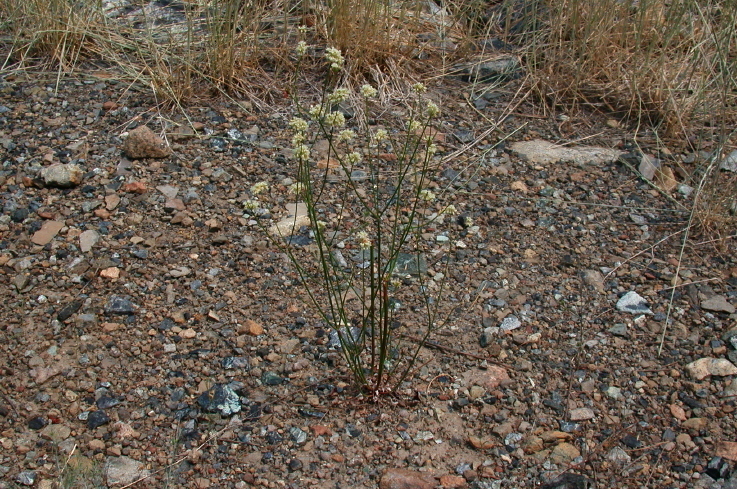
pixel 668 65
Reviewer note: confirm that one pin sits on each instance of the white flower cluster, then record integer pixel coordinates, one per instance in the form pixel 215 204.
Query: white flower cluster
pixel 364 242
pixel 426 195
pixel 368 91
pixel 251 205
pixel 334 119
pixel 301 48
pixel 339 95
pixel 259 187
pixel 335 57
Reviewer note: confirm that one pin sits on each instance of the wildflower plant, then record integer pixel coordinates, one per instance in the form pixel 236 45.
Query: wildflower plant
pixel 384 207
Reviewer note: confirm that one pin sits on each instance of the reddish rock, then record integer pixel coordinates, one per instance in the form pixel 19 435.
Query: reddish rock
pixel 47 232
pixel 727 449
pixel 452 481
pixel 406 479
pixel 135 187
pixel 143 143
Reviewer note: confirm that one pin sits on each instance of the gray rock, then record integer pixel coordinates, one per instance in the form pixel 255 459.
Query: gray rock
pixel 618 456
pixel 121 471
pixel 539 151
pixel 410 264
pixel 297 435
pixel 619 329
pixel 26 478
pixel 220 399
pixel 718 303
pixel 730 162
pixel 120 305
pixel 594 279
pixel 648 166
pixel 510 323
pixel 88 239
pixel 64 176
pixel 633 303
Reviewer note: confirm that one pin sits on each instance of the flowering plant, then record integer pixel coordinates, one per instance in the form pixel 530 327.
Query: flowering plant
pixel 382 180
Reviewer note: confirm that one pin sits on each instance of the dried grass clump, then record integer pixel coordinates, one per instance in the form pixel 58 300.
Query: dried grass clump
pixel 671 64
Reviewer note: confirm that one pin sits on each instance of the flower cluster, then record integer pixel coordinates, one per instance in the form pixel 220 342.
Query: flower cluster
pixel 297 188
pixel 301 48
pixel 426 195
pixel 368 91
pixel 364 242
pixel 251 205
pixel 335 58
pixel 339 95
pixel 259 187
pixel 346 135
pixel 301 152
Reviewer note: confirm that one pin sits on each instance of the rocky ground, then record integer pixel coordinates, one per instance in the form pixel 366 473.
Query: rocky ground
pixel 154 336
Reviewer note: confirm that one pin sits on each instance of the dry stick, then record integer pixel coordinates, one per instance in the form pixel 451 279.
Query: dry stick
pixel 686 230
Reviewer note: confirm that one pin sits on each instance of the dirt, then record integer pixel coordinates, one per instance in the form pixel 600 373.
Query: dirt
pixel 155 336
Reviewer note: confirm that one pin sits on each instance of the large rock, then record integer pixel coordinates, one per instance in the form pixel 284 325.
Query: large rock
pixel 539 151
pixel 406 479
pixel 704 367
pixel 64 176
pixel 121 471
pixel 143 143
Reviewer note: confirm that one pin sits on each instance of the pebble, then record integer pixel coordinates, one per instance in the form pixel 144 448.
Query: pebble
pixel 510 323
pixel 120 305
pixel 581 414
pixel 88 239
pixel 633 303
pixel 593 278
pixel 613 392
pixel 618 456
pixel 95 419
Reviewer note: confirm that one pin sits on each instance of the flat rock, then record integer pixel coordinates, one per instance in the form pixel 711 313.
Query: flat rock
pixel 220 398
pixel 545 152
pixel 88 239
pixel 564 454
pixel 406 479
pixel 593 278
pixel 633 303
pixel 64 176
pixel 48 230
pixel 142 142
pixel 581 414
pixel 704 367
pixel 730 162
pixel 718 303
pixel 121 471
pixel 727 449
pixel 489 379
pixel 289 225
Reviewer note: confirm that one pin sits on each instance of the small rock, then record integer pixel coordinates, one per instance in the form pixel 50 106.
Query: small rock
pixel 539 151
pixel 95 419
pixel 251 327
pixel 452 481
pixel 695 424
pixel 568 481
pixel 704 367
pixel 88 239
pixel 143 143
pixel 648 166
pixel 727 449
pixel 48 230
pixel 120 305
pixel 619 330
pixel 618 456
pixel 613 392
pixel 406 479
pixel 26 478
pixel 63 176
pixel 564 454
pixel 593 278
pixel 220 398
pixel 633 303
pixel 581 414
pixel 730 162
pixel 510 323
pixel 121 471
pixel 489 379
pixel 718 303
